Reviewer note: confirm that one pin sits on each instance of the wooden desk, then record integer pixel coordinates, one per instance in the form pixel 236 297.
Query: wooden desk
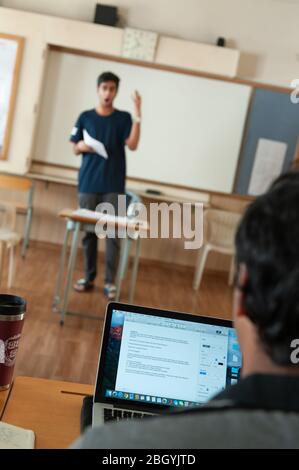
pixel 49 407
pixel 71 215
pixel 3 398
pixel 76 222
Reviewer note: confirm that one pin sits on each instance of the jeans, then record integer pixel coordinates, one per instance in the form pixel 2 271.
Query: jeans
pixel 90 240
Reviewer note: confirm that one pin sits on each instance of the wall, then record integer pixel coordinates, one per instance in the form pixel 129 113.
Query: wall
pixel 266 31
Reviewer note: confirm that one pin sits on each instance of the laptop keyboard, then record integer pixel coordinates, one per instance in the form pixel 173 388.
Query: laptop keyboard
pixel 117 415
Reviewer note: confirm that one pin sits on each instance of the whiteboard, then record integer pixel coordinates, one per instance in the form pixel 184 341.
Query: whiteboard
pixel 8 55
pixel 192 127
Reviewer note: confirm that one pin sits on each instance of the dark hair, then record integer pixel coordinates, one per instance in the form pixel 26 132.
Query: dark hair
pixel 108 77
pixel 267 242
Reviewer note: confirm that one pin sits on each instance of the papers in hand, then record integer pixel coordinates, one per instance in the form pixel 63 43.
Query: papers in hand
pixel 13 437
pixel 97 146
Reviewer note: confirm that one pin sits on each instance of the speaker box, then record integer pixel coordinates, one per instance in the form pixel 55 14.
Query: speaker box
pixel 106 14
pixel 221 42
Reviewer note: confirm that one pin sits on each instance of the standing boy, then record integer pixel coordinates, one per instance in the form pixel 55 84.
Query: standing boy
pixel 103 170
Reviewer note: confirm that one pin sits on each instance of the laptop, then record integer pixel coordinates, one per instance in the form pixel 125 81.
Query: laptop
pixel 155 360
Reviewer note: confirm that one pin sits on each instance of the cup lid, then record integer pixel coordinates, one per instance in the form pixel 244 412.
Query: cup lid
pixel 12 304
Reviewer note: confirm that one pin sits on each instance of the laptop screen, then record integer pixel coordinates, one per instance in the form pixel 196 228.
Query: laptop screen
pixel 166 360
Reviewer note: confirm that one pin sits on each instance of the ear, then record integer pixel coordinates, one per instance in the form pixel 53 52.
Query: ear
pixel 242 280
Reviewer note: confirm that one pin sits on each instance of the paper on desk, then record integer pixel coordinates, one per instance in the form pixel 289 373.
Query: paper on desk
pixel 86 213
pixel 98 146
pixel 14 437
pixel 100 215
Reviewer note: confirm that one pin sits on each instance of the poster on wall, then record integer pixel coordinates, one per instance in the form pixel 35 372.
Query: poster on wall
pixel 268 164
pixel 11 48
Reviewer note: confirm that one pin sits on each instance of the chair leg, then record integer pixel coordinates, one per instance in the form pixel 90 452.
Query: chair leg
pixel 231 271
pixel 26 232
pixel 200 265
pixel 11 266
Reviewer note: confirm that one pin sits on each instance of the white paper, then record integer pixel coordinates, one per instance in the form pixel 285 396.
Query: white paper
pixel 98 146
pixel 268 163
pixel 100 216
pixel 14 437
pixel 105 218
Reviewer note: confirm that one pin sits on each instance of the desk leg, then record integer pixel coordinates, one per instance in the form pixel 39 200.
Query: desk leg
pixel 70 270
pixel 27 232
pixel 122 265
pixel 119 271
pixel 56 300
pixel 134 271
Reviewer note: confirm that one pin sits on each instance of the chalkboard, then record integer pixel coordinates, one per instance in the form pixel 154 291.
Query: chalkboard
pixel 270 141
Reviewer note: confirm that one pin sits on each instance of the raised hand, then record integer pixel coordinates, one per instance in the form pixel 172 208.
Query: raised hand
pixel 137 103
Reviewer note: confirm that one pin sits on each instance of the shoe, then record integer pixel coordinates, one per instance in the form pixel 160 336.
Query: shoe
pixel 110 291
pixel 82 285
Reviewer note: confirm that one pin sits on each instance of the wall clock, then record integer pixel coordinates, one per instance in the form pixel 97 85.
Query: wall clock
pixel 139 44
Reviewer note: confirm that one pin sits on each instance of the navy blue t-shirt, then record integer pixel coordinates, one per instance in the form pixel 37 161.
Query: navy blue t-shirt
pixel 104 172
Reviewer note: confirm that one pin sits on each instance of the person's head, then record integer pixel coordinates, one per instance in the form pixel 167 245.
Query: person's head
pixel 266 301
pixel 107 86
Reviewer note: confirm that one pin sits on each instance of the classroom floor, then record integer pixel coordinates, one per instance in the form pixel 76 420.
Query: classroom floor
pixel 71 352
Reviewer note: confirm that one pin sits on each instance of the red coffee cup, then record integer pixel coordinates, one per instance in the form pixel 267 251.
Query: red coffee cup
pixel 12 313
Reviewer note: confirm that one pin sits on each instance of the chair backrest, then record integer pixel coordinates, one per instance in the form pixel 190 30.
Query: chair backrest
pixel 220 227
pixel 18 183
pixel 15 182
pixel 7 216
pixel 132 200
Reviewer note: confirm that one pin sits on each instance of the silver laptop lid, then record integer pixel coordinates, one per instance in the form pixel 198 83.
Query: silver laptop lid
pixel 152 360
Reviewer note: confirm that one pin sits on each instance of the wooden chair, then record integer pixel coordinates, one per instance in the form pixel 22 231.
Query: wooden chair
pixel 21 184
pixel 9 238
pixel 219 235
